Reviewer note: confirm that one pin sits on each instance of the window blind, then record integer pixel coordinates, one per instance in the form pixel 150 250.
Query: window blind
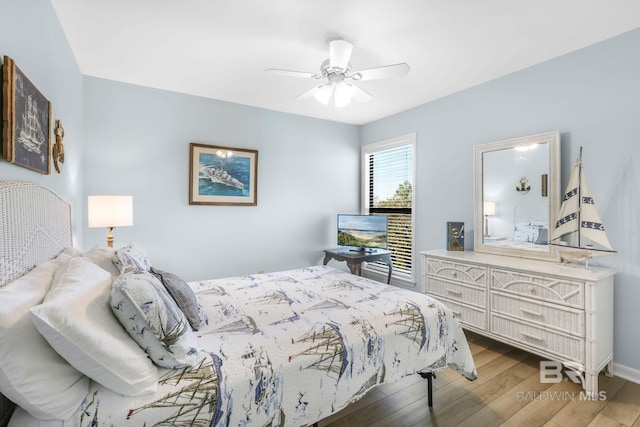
pixel 390 192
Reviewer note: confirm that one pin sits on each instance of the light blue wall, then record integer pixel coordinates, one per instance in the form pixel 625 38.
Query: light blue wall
pixel 592 97
pixel 137 142
pixel 31 35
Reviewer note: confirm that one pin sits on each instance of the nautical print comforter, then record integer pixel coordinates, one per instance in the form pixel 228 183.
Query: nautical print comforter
pixel 289 349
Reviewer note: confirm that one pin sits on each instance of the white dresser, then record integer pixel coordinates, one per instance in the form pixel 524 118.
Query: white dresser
pixel 562 313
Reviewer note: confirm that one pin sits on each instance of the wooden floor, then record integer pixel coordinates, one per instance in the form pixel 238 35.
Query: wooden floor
pixel 507 392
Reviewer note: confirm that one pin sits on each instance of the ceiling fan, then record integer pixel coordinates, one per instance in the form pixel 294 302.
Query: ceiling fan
pixel 337 70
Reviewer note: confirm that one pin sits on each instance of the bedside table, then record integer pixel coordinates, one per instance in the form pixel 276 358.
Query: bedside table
pixel 355 257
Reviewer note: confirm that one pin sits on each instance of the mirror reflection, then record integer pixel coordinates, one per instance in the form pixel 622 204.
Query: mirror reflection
pixel 516 206
pixel 516 191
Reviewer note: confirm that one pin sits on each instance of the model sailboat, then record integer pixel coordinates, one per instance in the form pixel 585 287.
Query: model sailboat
pixel 579 231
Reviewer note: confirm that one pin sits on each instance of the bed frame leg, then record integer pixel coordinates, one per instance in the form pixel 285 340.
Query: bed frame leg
pixel 429 376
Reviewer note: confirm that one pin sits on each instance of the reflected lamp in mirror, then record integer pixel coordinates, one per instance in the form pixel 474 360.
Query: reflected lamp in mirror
pixel 110 212
pixel 489 208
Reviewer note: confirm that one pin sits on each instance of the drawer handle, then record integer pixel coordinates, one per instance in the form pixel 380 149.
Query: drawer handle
pixel 531 312
pixel 455 274
pixel 531 289
pixel 454 292
pixel 457 313
pixel 533 337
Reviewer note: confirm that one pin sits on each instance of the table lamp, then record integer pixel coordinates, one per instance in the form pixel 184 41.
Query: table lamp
pixel 110 212
pixel 489 208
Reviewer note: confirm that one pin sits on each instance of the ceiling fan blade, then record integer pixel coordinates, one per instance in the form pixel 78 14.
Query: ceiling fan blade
pixel 339 53
pixel 386 71
pixel 291 73
pixel 360 95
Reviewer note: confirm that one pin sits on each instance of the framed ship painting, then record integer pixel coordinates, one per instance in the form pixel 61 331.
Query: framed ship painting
pixel 455 236
pixel 26 121
pixel 222 175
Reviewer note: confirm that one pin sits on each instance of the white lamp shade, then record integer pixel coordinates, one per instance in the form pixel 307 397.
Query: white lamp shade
pixel 110 211
pixel 343 94
pixel 489 208
pixel 323 95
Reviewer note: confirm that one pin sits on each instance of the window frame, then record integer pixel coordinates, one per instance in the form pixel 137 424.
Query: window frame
pixel 399 141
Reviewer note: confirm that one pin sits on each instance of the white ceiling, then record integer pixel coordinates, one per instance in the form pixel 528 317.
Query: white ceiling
pixel 220 48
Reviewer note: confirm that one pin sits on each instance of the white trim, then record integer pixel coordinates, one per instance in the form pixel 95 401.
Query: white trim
pixel 398 141
pixel 629 374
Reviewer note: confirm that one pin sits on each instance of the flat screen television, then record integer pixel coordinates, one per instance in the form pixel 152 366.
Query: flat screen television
pixel 362 232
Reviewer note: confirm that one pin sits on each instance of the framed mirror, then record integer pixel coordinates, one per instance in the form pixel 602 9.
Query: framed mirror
pixel 517 196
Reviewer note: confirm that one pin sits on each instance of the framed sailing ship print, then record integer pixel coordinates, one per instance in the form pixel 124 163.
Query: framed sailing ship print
pixel 26 121
pixel 222 175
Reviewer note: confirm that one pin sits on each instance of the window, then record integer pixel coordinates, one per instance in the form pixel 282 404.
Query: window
pixel 388 181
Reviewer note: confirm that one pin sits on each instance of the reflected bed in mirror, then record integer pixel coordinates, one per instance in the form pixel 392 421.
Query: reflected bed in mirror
pixel 517 191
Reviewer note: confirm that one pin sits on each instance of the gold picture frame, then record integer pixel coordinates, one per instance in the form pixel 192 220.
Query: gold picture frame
pixel 222 175
pixel 26 121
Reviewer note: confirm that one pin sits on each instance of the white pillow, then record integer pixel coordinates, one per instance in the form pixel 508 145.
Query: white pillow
pixel 152 318
pixel 102 256
pixel 32 374
pixel 76 319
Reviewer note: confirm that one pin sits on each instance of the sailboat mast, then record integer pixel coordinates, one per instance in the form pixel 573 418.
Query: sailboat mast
pixel 579 195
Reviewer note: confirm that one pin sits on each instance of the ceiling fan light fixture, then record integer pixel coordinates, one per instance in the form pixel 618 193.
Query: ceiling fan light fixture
pixel 324 93
pixel 342 95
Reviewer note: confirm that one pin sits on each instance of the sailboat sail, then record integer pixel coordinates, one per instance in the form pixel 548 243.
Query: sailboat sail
pixel 579 225
pixel 591 225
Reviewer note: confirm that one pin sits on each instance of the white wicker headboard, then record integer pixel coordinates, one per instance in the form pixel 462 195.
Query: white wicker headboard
pixel 35 226
pixel 532 212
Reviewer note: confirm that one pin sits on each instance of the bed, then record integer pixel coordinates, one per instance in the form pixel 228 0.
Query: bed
pixel 284 348
pixel 530 228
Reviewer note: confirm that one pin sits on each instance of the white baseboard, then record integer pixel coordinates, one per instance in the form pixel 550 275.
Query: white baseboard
pixel 626 372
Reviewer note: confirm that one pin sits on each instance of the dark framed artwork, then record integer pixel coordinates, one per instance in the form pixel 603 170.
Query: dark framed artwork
pixel 455 236
pixel 26 121
pixel 222 175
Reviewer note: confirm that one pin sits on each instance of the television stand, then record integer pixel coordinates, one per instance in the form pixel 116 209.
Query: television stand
pixel 364 250
pixel 355 257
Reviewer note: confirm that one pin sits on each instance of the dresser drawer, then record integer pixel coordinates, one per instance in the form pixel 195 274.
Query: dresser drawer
pixel 544 339
pixel 528 310
pixel 469 274
pixel 545 288
pixel 538 306
pixel 456 292
pixel 467 315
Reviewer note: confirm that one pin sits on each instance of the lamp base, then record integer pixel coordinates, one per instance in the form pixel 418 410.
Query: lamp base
pixel 486 226
pixel 110 236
